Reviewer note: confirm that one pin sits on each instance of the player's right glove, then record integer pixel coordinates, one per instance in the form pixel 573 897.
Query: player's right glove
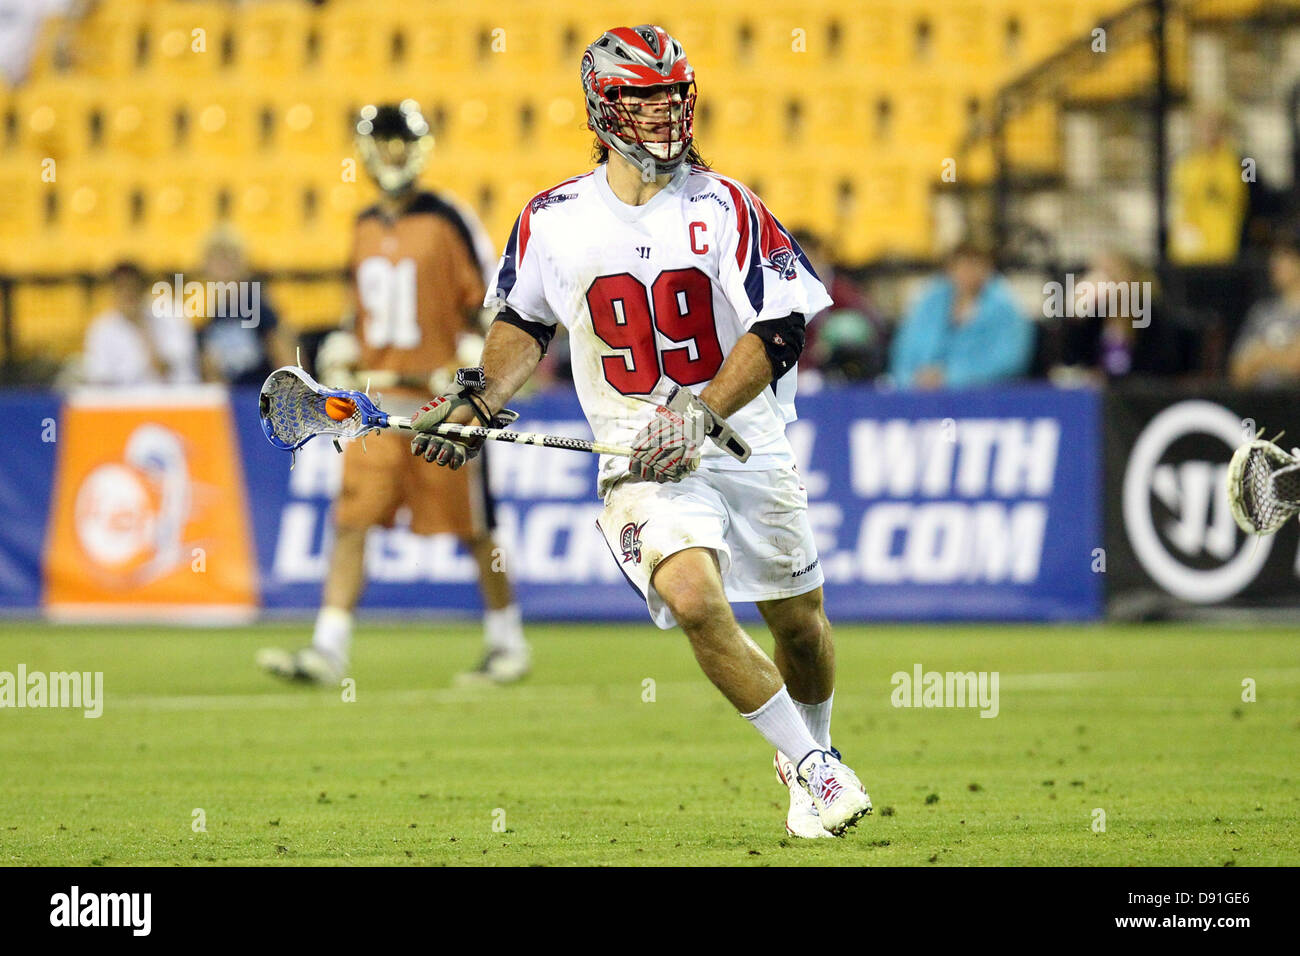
pixel 668 447
pixel 463 407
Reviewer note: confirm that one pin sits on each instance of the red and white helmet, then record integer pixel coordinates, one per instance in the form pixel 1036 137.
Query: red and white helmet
pixel 639 58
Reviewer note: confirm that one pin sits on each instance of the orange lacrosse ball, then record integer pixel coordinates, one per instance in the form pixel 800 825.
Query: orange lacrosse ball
pixel 339 409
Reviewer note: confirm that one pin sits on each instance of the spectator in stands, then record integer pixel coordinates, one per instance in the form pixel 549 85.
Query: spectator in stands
pixel 136 343
pixel 1209 205
pixel 1267 350
pixel 1210 197
pixel 965 329
pixel 855 320
pixel 235 349
pixel 1114 334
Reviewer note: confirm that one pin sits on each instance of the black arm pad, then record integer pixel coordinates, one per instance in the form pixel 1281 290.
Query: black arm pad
pixel 542 332
pixel 783 338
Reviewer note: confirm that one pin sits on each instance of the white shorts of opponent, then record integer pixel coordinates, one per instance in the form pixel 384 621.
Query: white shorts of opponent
pixel 755 521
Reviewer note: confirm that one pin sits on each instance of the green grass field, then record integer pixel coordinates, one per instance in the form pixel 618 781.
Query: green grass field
pixel 573 767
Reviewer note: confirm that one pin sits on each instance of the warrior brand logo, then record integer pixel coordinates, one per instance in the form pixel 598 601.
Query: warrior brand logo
pixel 551 199
pixel 782 261
pixel 802 571
pixel 1175 508
pixel 629 539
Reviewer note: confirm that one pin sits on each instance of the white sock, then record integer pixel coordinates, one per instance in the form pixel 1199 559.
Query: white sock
pixel 779 721
pixel 818 719
pixel 503 630
pixel 333 634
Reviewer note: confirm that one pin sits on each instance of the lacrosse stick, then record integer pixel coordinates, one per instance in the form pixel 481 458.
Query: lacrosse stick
pixel 1263 486
pixel 295 408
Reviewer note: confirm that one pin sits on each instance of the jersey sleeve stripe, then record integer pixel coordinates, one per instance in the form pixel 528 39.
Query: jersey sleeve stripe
pixel 509 262
pixel 747 244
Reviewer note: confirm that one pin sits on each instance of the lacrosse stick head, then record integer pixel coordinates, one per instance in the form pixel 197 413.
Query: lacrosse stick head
pixel 295 408
pixel 1263 487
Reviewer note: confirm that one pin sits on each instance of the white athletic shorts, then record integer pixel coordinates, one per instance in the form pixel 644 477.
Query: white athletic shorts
pixel 755 521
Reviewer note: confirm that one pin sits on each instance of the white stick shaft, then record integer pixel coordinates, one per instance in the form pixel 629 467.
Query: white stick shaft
pixel 520 438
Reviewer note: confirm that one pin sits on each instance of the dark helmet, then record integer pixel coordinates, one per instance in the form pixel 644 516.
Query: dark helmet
pixel 379 129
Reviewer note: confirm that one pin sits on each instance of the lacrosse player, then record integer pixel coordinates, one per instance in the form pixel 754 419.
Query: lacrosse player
pixel 417 273
pixel 685 303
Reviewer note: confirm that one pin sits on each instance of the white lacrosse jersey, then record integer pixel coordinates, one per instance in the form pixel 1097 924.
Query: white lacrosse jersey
pixel 657 295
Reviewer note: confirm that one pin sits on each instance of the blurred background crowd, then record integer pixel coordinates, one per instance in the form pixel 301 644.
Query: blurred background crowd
pixel 946 164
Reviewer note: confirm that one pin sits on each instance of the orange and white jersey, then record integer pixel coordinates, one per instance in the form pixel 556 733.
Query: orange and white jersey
pixel 657 295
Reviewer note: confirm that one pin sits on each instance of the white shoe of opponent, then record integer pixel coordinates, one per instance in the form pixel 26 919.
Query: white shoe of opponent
pixel 498 667
pixel 838 794
pixel 308 665
pixel 802 820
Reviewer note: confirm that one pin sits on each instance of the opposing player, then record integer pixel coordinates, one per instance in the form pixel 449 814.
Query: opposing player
pixel 685 302
pixel 417 270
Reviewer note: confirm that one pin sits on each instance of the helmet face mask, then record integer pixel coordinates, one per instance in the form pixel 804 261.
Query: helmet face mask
pixel 657 119
pixel 395 143
pixel 640 93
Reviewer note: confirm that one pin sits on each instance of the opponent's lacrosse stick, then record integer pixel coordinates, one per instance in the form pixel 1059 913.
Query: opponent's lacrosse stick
pixel 295 408
pixel 1263 486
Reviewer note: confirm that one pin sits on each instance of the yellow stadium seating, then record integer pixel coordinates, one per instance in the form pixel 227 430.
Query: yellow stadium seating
pixel 50 320
pixel 184 41
pixel 841 111
pixel 271 38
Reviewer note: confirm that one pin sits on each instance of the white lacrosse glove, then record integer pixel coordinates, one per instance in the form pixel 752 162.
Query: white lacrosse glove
pixel 337 358
pixel 668 447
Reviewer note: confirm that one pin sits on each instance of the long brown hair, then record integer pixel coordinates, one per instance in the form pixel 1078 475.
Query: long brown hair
pixel 600 154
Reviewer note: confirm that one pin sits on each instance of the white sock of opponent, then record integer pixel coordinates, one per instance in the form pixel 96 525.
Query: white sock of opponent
pixel 503 630
pixel 818 719
pixel 333 634
pixel 780 722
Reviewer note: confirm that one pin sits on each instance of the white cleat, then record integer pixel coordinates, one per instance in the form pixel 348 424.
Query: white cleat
pixel 497 667
pixel 308 665
pixel 838 794
pixel 802 820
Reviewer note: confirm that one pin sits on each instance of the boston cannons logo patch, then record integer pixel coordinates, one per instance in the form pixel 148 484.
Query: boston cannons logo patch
pixel 782 261
pixel 629 539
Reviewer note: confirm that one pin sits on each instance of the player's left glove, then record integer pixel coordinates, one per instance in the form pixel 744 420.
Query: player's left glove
pixel 668 447
pixel 462 407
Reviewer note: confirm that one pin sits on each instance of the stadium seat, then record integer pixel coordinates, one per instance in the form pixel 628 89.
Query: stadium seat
pixel 95 223
pixel 185 41
pixel 113 41
pixel 26 245
pixel 50 319
pixel 272 38
pixel 53 117
pixel 181 206
pixel 309 305
pixel 137 119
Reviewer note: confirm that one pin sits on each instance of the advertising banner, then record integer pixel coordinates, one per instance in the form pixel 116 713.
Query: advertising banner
pixel 1170 539
pixel 978 505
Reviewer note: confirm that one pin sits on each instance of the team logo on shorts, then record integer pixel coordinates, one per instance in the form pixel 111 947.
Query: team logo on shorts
pixel 629 539
pixel 782 261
